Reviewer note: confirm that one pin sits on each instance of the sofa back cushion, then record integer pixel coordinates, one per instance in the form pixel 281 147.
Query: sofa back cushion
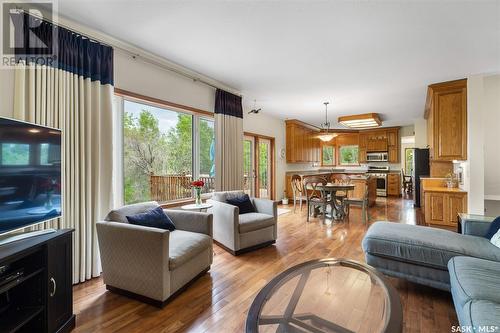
pixel 155 218
pixel 224 196
pixel 120 214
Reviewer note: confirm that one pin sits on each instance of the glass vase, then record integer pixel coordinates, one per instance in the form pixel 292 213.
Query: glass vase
pixel 197 195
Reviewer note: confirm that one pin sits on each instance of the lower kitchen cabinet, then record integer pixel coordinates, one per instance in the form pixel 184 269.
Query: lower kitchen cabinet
pixel 441 208
pixel 394 184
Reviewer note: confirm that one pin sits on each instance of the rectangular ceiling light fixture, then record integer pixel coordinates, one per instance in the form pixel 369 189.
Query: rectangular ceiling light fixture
pixel 366 120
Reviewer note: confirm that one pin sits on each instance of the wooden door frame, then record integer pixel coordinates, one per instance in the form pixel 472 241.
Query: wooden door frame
pixel 273 163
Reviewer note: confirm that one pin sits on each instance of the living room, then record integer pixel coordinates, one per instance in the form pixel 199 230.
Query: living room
pixel 250 166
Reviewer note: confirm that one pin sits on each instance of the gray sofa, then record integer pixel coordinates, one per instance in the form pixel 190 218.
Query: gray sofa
pixel 242 233
pixel 467 264
pixel 153 264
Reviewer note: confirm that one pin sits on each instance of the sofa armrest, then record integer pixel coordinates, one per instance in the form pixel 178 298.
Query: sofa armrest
pixel 266 206
pixel 476 227
pixel 191 221
pixel 135 258
pixel 226 223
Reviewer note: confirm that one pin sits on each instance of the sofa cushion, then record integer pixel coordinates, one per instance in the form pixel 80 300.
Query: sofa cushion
pixel 255 221
pixel 155 218
pixel 184 245
pixel 120 215
pixel 243 203
pixel 474 279
pixel 425 246
pixel 224 196
pixel 480 316
pixel 494 228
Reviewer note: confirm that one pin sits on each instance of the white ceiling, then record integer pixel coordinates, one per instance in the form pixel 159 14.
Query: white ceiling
pixel 362 56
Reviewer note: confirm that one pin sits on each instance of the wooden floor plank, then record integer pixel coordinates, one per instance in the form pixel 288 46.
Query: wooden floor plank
pixel 219 301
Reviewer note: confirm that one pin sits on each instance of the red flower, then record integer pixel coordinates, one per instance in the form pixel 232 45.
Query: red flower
pixel 198 183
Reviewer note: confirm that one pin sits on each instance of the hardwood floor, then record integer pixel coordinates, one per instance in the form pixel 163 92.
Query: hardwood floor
pixel 219 301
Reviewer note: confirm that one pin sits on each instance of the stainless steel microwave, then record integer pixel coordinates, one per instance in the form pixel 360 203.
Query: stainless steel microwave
pixel 377 157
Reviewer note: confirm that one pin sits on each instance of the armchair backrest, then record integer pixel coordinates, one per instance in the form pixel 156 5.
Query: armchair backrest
pixel 120 214
pixel 223 196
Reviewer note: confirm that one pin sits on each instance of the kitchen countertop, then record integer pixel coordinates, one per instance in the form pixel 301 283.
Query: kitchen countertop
pixel 321 172
pixel 443 189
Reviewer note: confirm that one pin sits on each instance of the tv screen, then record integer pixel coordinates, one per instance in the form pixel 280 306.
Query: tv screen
pixel 30 174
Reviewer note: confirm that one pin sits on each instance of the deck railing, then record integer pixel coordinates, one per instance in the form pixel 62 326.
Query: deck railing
pixel 176 187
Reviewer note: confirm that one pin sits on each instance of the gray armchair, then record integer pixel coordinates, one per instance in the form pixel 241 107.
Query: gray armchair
pixel 152 264
pixel 242 233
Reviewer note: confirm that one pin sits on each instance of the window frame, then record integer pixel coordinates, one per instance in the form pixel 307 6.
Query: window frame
pixel 339 156
pixel 120 96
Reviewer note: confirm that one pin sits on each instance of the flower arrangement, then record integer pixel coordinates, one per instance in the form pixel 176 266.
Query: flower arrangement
pixel 198 186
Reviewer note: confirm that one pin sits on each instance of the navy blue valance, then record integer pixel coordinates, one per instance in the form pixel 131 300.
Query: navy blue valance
pixel 228 104
pixel 72 52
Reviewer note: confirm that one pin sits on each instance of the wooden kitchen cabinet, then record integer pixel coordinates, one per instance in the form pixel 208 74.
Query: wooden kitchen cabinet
pixel 302 145
pixel 393 146
pixel 446 114
pixel 363 142
pixel 394 184
pixel 442 207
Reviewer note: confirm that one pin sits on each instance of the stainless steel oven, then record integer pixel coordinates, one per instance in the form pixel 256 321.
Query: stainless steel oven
pixel 380 173
pixel 377 157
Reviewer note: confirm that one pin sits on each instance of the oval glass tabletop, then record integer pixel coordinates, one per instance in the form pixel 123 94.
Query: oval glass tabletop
pixel 327 295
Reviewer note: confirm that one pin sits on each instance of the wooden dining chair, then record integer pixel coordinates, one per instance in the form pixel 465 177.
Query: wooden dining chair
pixel 407 182
pixel 298 191
pixel 363 202
pixel 314 188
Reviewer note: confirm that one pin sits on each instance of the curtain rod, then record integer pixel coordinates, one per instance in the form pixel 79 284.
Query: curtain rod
pixel 134 55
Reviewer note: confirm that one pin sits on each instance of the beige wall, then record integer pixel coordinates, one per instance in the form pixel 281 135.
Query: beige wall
pixel 491 107
pixel 420 128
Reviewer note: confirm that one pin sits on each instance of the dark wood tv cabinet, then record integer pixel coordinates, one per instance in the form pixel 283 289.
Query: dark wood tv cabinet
pixel 38 297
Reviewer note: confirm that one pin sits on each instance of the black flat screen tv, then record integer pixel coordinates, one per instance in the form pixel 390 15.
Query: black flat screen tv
pixel 30 174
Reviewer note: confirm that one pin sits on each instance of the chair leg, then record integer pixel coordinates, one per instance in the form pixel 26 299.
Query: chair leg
pixel 294 204
pixel 300 204
pixel 308 212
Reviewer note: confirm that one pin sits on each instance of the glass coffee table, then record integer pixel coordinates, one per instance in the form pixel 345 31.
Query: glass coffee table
pixel 326 295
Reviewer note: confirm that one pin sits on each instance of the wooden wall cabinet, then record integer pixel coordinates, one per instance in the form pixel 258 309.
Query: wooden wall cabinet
pixel 393 146
pixel 380 140
pixel 446 114
pixel 394 184
pixel 302 145
pixel 363 145
pixel 442 208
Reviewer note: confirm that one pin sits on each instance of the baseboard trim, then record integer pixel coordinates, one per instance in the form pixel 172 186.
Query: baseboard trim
pixel 152 301
pixel 247 249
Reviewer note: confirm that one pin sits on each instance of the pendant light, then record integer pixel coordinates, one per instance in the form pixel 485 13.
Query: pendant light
pixel 325 135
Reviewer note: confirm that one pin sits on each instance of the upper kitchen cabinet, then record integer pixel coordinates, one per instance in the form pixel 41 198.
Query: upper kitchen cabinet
pixel 446 114
pixel 380 140
pixel 302 145
pixel 393 145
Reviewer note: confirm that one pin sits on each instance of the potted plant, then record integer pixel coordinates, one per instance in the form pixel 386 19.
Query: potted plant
pixel 284 201
pixel 197 185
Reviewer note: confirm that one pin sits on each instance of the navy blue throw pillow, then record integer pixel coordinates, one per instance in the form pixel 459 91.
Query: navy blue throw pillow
pixel 494 227
pixel 243 203
pixel 155 218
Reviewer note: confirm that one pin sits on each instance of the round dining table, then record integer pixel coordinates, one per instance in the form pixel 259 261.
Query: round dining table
pixel 338 202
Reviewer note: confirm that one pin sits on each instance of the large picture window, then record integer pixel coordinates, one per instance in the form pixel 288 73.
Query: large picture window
pixel 164 150
pixel 327 155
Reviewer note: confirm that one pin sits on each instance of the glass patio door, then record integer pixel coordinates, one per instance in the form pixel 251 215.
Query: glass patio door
pixel 264 174
pixel 258 161
pixel 249 167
